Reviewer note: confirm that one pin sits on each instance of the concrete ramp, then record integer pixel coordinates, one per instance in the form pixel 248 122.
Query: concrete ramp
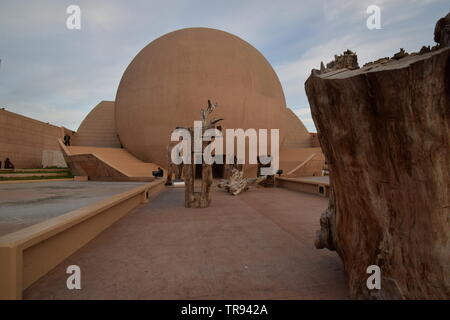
pixel 302 162
pixel 107 164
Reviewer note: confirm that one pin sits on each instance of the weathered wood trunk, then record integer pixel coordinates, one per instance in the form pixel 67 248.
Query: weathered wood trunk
pixel 385 132
pixel 269 181
pixel 171 167
pixel 227 171
pixel 188 176
pixel 200 199
pixel 207 179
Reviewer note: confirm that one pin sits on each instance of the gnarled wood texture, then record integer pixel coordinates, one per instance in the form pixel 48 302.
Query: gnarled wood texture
pixel 384 130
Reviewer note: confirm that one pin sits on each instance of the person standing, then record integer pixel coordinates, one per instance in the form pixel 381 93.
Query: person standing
pixel 66 140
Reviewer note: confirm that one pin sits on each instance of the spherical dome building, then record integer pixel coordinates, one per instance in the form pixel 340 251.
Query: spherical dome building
pixel 171 79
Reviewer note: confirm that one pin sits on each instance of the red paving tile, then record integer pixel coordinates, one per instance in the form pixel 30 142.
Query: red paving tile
pixel 258 245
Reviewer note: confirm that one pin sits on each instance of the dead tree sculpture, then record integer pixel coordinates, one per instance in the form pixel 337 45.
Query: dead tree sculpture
pixel 200 199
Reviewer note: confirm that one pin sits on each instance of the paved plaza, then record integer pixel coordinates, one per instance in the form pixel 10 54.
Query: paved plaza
pixel 258 245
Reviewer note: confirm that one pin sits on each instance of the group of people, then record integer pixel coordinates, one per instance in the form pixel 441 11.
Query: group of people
pixel 8 164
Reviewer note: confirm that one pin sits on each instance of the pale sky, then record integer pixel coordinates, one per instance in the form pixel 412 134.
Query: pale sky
pixel 58 75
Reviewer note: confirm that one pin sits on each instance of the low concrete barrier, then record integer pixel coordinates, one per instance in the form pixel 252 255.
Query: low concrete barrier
pixel 29 175
pixel 34 181
pixel 30 253
pixel 303 185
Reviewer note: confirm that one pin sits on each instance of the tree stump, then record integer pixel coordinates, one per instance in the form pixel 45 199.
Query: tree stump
pixel 384 130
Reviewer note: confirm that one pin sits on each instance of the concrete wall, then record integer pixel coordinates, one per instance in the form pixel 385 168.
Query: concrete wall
pixel 53 158
pixel 23 140
pixel 314 140
pixel 296 134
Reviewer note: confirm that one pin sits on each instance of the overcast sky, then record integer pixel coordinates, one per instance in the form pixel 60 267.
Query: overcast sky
pixel 58 75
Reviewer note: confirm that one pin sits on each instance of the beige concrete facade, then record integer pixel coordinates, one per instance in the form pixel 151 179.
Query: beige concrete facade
pixel 24 141
pixel 296 134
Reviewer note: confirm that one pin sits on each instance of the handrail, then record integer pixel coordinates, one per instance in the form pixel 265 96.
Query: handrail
pixel 301 165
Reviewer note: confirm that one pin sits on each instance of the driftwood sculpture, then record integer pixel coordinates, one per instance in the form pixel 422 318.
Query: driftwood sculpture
pixel 200 199
pixel 237 184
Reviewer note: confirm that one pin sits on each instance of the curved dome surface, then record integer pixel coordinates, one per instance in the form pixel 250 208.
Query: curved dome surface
pixel 98 129
pixel 172 78
pixel 296 134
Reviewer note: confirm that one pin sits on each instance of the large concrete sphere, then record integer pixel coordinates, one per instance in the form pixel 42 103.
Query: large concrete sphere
pixel 172 78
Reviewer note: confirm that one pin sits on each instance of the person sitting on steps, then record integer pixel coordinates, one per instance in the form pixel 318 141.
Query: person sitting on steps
pixel 158 173
pixel 8 164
